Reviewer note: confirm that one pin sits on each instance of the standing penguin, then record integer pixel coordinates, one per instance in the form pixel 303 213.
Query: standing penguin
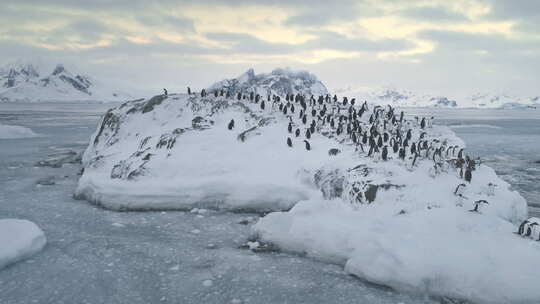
pixel 165 92
pixel 231 124
pixel 262 105
pixel 289 142
pixel 423 123
pixel 308 134
pixel 468 174
pixel 289 128
pixel 385 153
pixel 189 90
pixel 297 132
pixel 308 146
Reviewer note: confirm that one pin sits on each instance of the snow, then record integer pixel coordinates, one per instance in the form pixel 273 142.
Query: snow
pixel 19 239
pixel 13 132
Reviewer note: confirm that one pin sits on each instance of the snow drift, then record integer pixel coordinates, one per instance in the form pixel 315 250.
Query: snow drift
pixel 19 239
pixel 397 201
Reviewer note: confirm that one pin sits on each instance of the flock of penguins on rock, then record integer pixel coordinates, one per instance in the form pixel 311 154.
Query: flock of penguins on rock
pixel 380 133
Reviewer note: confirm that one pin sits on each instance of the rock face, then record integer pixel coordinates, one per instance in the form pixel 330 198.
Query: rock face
pixel 24 82
pixel 279 82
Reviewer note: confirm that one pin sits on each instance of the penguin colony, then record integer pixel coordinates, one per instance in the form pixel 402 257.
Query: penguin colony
pixel 378 132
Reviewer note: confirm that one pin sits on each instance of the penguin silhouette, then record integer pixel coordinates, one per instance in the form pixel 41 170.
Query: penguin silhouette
pixel 165 92
pixel 308 134
pixel 297 132
pixel 423 123
pixel 308 146
pixel 385 153
pixel 231 124
pixel 189 90
pixel 289 142
pixel 262 105
pixel 468 175
pixel 289 128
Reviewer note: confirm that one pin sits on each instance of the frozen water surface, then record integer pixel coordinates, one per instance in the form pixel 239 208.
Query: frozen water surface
pixel 99 256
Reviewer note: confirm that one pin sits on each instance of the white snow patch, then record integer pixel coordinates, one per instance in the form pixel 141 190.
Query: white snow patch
pixel 19 239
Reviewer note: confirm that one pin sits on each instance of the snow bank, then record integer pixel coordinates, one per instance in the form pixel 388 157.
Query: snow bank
pixel 19 239
pixel 445 251
pixel 12 132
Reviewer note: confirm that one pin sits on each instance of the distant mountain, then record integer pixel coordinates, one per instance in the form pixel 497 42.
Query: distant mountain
pixel 279 82
pixel 405 98
pixel 25 82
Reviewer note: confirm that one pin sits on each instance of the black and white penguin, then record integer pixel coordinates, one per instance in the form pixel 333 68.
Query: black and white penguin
pixel 262 105
pixel 308 146
pixel 189 90
pixel 308 134
pixel 289 142
pixel 468 174
pixel 385 153
pixel 165 92
pixel 231 124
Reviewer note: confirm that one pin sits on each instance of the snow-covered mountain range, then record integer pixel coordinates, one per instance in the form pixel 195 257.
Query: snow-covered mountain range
pixel 406 98
pixel 26 82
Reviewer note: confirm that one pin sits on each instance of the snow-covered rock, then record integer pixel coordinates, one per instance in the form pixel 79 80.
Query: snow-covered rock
pixel 278 82
pixel 22 81
pixel 389 198
pixel 19 239
pixel 13 132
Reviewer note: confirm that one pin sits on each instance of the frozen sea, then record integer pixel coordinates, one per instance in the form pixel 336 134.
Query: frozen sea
pixel 99 256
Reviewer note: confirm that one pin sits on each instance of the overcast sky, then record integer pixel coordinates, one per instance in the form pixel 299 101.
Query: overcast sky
pixel 437 46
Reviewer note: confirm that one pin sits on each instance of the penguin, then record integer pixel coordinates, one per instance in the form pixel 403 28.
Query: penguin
pixel 402 153
pixel 289 127
pixel 312 128
pixel 468 175
pixel 385 153
pixel 189 90
pixel 231 124
pixel 289 142
pixel 262 105
pixel 308 146
pixel 216 94
pixel 165 92
pixel 304 119
pixel 423 123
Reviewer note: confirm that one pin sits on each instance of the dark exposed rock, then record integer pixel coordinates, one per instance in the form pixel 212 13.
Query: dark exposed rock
pixel 59 159
pixel 330 182
pixel 334 151
pixel 201 123
pixel 46 181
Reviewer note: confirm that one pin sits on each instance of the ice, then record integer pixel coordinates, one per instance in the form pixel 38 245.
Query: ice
pixel 19 239
pixel 13 132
